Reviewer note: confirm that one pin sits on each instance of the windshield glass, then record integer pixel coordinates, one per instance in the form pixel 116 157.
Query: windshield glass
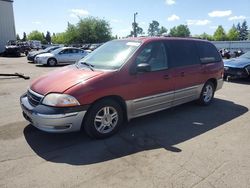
pixel 51 48
pixel 246 55
pixel 56 51
pixel 110 56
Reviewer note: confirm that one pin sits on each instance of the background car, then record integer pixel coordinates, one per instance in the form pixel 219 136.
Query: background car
pixel 237 67
pixel 31 55
pixel 65 55
pixel 16 48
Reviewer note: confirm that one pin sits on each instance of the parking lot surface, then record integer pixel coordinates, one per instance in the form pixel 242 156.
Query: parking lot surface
pixel 186 146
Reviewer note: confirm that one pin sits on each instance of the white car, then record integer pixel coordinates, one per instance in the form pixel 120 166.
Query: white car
pixel 65 55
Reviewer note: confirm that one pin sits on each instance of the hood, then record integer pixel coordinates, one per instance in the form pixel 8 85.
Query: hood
pixel 34 53
pixel 237 62
pixel 11 46
pixel 45 55
pixel 62 79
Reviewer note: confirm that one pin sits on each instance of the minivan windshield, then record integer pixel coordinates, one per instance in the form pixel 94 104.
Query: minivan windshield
pixel 111 55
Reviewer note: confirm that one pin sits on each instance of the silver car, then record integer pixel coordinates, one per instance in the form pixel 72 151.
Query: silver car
pixel 65 55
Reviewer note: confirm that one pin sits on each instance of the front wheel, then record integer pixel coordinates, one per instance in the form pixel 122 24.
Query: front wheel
pixel 103 119
pixel 207 93
pixel 51 62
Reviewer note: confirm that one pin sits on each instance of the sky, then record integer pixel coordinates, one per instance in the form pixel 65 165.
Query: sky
pixel 200 16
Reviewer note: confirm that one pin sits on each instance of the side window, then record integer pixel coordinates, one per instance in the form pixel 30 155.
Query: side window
pixel 207 52
pixel 64 51
pixel 182 53
pixel 153 54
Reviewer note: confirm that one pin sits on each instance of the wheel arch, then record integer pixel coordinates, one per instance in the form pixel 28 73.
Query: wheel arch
pixel 115 98
pixel 214 81
pixel 52 58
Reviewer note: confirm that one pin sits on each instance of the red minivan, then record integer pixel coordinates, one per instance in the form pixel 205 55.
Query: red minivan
pixel 121 80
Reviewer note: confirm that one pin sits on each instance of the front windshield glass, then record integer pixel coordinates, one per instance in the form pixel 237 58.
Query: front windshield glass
pixel 56 51
pixel 50 49
pixel 246 55
pixel 110 56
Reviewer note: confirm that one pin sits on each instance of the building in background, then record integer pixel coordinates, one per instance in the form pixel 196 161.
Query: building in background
pixel 243 45
pixel 7 23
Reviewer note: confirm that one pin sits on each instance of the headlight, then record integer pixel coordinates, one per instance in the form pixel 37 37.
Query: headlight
pixel 60 100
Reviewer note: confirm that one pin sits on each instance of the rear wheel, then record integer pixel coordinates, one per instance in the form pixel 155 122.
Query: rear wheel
pixel 103 119
pixel 51 62
pixel 207 93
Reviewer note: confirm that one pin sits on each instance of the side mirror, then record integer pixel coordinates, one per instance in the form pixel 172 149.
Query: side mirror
pixel 143 67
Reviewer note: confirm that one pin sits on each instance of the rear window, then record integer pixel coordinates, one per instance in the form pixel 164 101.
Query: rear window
pixel 182 53
pixel 207 52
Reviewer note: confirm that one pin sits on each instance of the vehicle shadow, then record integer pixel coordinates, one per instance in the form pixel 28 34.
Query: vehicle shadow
pixel 245 81
pixel 164 129
pixel 46 66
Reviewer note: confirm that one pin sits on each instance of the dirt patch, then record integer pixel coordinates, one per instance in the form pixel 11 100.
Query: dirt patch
pixel 4 93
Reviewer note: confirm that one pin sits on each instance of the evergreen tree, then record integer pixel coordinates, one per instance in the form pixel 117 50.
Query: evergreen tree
pixel 233 34
pixel 48 37
pixel 243 30
pixel 24 37
pixel 220 34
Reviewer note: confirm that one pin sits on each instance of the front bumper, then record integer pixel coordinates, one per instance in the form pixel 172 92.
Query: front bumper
pixel 219 84
pixel 236 72
pixel 40 61
pixel 31 58
pixel 51 119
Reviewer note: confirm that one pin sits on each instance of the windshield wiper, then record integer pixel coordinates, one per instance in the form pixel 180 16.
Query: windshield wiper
pixel 88 65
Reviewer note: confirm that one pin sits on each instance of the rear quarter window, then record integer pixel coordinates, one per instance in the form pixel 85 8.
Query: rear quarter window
pixel 207 52
pixel 182 53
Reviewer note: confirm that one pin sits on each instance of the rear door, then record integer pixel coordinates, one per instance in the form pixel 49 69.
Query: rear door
pixel 64 56
pixel 76 55
pixel 186 67
pixel 153 90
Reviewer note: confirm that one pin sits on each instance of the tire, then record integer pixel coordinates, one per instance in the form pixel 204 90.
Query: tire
pixel 51 62
pixel 103 119
pixel 207 93
pixel 225 77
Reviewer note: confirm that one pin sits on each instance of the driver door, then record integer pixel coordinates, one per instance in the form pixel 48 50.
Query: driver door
pixel 153 90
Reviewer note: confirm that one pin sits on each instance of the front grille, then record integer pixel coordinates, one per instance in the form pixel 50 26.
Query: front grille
pixel 34 98
pixel 234 71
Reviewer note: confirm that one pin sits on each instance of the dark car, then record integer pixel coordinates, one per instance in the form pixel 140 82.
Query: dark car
pixel 31 55
pixel 92 47
pixel 237 67
pixel 16 48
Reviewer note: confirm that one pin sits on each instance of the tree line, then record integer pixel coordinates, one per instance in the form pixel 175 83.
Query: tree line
pixel 95 30
pixel 239 32
pixel 87 30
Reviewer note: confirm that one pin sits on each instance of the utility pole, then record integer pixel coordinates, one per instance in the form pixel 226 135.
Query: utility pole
pixel 135 14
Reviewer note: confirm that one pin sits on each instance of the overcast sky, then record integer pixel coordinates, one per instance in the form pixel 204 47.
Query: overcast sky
pixel 201 16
